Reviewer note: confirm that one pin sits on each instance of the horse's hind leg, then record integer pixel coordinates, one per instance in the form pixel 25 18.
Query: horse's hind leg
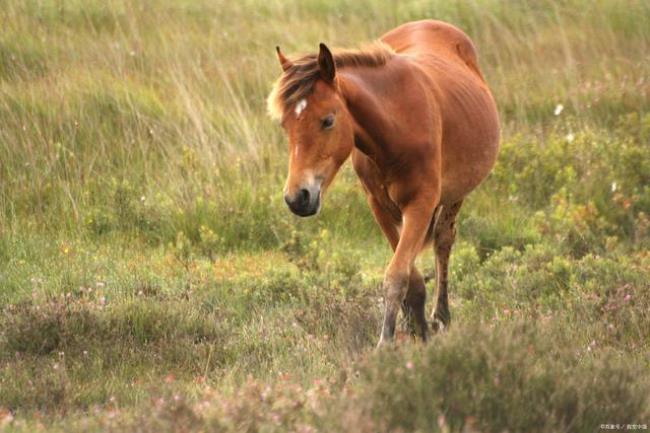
pixel 413 305
pixel 444 236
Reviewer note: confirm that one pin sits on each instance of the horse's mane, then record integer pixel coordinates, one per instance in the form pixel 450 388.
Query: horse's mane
pixel 297 82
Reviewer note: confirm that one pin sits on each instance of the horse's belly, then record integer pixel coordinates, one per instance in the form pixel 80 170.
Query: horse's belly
pixel 458 180
pixel 470 146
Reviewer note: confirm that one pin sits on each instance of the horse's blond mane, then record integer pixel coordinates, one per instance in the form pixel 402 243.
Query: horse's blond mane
pixel 297 82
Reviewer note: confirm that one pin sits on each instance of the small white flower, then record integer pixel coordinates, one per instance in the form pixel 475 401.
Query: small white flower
pixel 614 186
pixel 591 346
pixel 558 109
pixel 570 137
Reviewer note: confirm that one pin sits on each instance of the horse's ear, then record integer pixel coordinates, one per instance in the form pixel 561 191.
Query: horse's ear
pixel 284 62
pixel 326 64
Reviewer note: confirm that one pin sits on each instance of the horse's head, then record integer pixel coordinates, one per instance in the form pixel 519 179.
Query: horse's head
pixel 318 126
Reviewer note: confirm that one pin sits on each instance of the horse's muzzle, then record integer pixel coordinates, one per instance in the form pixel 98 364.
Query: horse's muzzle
pixel 304 202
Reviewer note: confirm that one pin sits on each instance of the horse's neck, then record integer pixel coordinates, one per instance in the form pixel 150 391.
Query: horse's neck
pixel 370 94
pixel 365 108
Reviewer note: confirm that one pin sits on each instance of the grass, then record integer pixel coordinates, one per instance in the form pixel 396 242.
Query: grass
pixel 151 278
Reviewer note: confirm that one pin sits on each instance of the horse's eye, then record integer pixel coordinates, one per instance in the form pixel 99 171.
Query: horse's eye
pixel 327 122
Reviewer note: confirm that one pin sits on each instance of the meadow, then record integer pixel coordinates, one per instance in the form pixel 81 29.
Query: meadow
pixel 152 279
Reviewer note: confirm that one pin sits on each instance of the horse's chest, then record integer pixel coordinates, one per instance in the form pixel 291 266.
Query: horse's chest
pixel 376 187
pixel 384 200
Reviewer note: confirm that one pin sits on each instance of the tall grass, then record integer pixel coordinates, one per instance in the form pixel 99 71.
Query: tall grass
pixel 168 96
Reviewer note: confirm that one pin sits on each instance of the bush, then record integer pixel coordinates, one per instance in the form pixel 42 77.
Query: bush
pixel 508 377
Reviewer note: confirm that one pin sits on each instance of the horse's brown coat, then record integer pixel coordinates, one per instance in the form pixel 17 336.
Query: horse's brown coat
pixel 422 128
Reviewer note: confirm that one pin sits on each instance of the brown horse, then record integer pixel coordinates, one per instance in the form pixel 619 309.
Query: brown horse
pixel 422 127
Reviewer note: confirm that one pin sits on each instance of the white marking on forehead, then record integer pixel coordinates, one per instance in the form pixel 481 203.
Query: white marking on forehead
pixel 300 106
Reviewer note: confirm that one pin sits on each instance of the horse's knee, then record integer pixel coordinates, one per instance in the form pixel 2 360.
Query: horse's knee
pixel 395 287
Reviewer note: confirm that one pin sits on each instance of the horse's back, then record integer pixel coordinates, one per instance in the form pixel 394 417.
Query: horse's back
pixel 431 37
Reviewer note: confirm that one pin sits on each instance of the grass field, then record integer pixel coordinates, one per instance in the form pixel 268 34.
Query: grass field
pixel 152 279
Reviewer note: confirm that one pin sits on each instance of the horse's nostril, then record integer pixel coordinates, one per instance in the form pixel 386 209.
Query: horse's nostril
pixel 303 197
pixel 301 202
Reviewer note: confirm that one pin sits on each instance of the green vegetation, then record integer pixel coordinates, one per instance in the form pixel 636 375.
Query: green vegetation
pixel 152 279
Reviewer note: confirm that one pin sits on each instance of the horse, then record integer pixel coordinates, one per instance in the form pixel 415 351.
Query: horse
pixel 416 116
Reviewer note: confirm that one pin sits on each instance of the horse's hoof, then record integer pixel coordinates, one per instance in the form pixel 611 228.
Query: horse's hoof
pixel 438 325
pixel 385 342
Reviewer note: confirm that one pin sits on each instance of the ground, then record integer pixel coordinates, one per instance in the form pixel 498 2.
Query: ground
pixel 152 279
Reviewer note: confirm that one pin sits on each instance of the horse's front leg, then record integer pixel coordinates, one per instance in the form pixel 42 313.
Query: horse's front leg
pixel 416 218
pixel 413 306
